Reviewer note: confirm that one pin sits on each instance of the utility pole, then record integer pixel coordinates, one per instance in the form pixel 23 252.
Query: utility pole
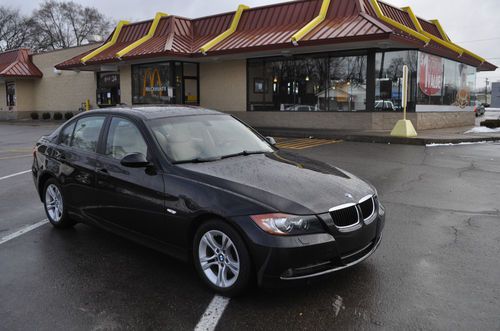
pixel 486 90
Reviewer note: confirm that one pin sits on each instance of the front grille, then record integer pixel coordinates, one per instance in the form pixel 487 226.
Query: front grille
pixel 367 208
pixel 345 216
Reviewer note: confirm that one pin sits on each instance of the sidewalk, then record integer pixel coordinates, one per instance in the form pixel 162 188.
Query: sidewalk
pixel 438 136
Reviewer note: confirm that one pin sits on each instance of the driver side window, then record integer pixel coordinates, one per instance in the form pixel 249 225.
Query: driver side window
pixel 124 138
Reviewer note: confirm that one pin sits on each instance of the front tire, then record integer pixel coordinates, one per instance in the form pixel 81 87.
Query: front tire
pixel 53 201
pixel 221 258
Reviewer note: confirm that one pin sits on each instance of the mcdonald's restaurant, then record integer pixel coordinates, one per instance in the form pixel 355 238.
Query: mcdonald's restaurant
pixel 322 64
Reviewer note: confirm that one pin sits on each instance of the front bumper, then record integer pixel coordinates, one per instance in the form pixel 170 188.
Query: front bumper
pixel 281 259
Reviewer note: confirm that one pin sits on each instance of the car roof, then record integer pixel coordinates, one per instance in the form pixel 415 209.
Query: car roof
pixel 154 112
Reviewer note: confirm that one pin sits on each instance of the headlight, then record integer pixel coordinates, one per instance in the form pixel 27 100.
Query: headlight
pixel 285 225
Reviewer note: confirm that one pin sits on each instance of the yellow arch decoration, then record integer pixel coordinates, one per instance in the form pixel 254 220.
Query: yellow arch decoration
pixel 311 25
pixel 398 25
pixel 442 42
pixel 148 36
pixel 232 28
pixel 107 45
pixel 443 33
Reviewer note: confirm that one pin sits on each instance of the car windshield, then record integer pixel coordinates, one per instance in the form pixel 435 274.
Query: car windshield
pixel 206 138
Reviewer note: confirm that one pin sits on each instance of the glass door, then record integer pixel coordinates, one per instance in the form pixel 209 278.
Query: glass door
pixel 108 89
pixel 190 84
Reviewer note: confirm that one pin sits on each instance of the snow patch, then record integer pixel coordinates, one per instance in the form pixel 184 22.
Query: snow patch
pixel 464 143
pixel 482 129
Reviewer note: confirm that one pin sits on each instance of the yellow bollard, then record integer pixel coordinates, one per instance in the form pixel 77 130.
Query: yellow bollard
pixel 87 105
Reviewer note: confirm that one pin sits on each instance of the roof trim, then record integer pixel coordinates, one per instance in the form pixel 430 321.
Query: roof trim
pixel 443 33
pixel 441 30
pixel 442 42
pixel 107 45
pixel 312 24
pixel 398 25
pixel 149 35
pixel 232 28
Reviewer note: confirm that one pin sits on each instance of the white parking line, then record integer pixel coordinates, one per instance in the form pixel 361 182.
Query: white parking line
pixel 23 230
pixel 212 314
pixel 16 174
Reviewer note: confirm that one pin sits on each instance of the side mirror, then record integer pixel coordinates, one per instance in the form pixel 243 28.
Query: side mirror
pixel 134 160
pixel 271 140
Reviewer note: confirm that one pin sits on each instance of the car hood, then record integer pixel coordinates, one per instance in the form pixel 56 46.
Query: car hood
pixel 284 181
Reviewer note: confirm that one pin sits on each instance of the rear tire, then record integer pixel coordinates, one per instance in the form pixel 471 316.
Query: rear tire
pixel 221 258
pixel 53 201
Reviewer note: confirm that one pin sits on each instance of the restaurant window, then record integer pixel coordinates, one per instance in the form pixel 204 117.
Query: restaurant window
pixel 305 84
pixel 347 83
pixel 389 84
pixel 108 89
pixel 445 82
pixel 11 94
pixel 153 83
pixel 165 83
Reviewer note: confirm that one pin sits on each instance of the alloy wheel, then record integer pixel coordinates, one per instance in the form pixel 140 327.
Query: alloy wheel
pixel 218 258
pixel 54 203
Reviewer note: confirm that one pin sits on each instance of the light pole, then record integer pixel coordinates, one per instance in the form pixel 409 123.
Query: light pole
pixel 486 90
pixel 404 127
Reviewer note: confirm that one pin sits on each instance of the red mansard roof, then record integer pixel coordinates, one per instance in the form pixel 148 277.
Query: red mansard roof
pixel 17 64
pixel 270 28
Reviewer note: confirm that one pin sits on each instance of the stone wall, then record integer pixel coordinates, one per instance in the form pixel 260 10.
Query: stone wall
pixel 365 121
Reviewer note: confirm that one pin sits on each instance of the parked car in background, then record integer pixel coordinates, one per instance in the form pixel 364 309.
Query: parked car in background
pixel 302 108
pixel 384 105
pixel 479 109
pixel 204 187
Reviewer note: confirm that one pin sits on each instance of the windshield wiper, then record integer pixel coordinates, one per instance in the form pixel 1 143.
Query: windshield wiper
pixel 198 160
pixel 215 158
pixel 242 153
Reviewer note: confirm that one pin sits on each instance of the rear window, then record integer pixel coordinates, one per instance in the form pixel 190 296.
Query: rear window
pixel 66 134
pixel 86 133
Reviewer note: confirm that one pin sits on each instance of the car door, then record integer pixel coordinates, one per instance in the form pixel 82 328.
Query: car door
pixel 129 198
pixel 76 154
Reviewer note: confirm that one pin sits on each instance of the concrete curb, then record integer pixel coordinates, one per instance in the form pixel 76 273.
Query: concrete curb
pixel 360 137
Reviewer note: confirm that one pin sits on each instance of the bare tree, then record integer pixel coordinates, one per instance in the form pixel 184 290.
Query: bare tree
pixel 65 24
pixel 14 29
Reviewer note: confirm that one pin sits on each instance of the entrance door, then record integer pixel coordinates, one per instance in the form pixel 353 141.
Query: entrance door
pixel 191 91
pixel 108 89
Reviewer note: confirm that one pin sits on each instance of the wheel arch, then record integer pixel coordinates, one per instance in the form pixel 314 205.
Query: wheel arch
pixel 205 217
pixel 42 179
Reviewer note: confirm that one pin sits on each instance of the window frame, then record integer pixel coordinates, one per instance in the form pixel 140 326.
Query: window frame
pixel 327 56
pixel 7 102
pixel 60 137
pixel 172 75
pixel 75 122
pixel 105 136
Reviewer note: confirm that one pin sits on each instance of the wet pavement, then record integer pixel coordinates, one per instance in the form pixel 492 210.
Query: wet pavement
pixel 437 267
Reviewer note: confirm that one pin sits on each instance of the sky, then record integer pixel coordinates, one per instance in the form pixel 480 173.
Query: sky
pixel 473 24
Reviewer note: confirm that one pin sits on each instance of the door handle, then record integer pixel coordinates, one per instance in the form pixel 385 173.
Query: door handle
pixel 103 171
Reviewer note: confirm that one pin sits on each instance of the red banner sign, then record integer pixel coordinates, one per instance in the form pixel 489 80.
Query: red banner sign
pixel 430 74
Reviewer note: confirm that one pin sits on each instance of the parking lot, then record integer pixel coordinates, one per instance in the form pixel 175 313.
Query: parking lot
pixel 438 266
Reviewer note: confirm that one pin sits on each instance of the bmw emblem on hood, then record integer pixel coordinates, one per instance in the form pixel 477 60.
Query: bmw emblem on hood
pixel 349 196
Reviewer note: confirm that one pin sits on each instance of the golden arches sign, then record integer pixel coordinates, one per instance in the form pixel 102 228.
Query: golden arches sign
pixel 149 80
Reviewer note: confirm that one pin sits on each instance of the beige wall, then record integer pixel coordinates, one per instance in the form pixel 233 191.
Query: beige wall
pixel 126 84
pixel 223 85
pixel 64 92
pixel 24 95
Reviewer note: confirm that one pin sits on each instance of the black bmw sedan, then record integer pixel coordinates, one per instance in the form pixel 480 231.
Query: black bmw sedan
pixel 204 187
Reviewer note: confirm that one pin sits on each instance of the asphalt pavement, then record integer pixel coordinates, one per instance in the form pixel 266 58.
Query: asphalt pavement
pixel 436 269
